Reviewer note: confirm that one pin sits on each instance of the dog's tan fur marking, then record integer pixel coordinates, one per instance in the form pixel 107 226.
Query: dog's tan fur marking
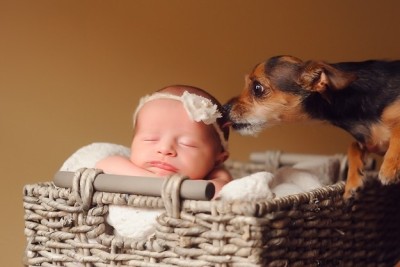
pixel 259 71
pixel 391 114
pixel 379 140
pixel 287 107
pixel 355 155
pixel 390 169
pixel 290 59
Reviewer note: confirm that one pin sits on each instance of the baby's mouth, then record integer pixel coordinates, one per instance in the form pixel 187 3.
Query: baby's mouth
pixel 163 166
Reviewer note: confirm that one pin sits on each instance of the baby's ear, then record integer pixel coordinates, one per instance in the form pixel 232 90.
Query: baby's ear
pixel 319 76
pixel 222 157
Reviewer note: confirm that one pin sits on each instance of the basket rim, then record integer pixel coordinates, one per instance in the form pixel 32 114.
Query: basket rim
pixel 238 207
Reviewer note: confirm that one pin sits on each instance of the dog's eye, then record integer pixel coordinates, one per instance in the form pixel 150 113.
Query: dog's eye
pixel 258 89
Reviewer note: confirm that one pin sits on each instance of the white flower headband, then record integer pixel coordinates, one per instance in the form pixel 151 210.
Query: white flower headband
pixel 199 109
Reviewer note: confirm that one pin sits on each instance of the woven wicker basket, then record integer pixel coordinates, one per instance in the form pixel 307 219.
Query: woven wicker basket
pixel 65 227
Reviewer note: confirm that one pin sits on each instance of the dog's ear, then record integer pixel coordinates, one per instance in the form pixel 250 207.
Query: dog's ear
pixel 319 76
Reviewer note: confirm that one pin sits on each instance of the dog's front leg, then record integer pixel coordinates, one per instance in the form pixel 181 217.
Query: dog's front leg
pixel 356 173
pixel 390 168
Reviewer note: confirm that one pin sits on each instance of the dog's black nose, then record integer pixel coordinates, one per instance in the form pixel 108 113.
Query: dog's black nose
pixel 228 105
pixel 227 108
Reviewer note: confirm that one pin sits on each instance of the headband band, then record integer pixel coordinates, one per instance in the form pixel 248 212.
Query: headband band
pixel 198 108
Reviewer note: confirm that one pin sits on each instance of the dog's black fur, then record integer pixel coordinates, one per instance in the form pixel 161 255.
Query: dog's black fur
pixel 363 98
pixel 376 86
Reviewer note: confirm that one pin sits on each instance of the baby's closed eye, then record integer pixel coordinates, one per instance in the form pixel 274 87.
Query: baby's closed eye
pixel 150 138
pixel 188 142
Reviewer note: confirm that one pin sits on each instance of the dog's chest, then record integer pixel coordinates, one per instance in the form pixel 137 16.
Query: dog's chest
pixel 378 139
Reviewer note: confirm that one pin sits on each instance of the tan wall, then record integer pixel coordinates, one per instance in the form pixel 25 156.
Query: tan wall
pixel 71 72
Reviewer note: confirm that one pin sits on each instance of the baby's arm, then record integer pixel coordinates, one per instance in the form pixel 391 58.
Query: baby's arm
pixel 219 177
pixel 120 165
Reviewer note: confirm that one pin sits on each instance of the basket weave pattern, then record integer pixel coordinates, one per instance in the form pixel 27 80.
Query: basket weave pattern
pixel 66 227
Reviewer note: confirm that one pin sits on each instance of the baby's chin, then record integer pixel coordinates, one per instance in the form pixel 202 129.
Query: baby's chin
pixel 161 172
pixel 165 173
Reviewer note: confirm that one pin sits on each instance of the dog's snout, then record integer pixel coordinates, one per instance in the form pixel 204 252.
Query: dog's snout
pixel 228 105
pixel 227 108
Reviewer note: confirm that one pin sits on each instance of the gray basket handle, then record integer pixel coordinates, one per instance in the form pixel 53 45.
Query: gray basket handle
pixel 139 185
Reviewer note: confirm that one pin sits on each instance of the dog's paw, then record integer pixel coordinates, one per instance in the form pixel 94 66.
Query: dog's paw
pixel 390 170
pixel 354 182
pixel 349 192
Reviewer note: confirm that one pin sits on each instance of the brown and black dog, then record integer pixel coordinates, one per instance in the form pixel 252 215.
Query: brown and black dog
pixel 362 98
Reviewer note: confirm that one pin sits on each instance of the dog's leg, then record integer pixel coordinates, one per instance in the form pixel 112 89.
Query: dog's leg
pixel 390 168
pixel 356 173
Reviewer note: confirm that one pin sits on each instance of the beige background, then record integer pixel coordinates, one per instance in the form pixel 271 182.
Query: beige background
pixel 71 72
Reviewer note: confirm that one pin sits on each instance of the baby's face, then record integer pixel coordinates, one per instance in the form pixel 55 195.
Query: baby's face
pixel 167 141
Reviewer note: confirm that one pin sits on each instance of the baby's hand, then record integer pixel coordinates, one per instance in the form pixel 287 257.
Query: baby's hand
pixel 120 165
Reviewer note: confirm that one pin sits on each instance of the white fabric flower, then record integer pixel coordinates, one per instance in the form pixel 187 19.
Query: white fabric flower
pixel 200 108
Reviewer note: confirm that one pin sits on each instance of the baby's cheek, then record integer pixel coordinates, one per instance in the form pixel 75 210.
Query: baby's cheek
pixel 200 170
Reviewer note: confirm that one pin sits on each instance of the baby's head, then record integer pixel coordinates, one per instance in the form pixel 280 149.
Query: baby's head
pixel 183 127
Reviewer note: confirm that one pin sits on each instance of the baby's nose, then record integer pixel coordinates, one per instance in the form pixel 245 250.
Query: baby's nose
pixel 167 149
